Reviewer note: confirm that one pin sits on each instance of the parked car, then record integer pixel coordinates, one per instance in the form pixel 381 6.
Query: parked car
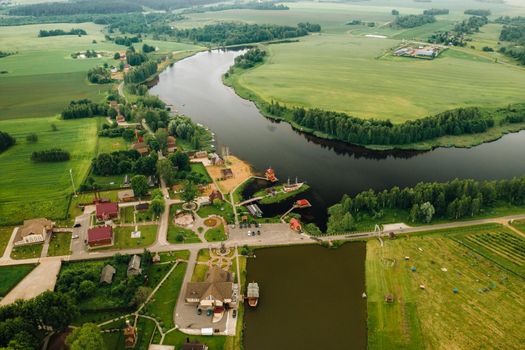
pixel 77 225
pixel 258 232
pixel 234 313
pixel 74 237
pixel 199 312
pixel 209 312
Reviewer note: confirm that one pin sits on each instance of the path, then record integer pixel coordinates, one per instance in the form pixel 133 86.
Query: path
pixel 42 278
pixel 192 262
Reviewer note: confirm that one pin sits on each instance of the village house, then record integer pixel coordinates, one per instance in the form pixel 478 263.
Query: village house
pixel 172 144
pixel 100 236
pixel 106 211
pixel 106 276
pixel 134 266
pixel 126 196
pixel 216 159
pixel 142 148
pixel 295 225
pixel 142 207
pixel 130 335
pixel 215 195
pixel 33 231
pixel 226 173
pixel 215 291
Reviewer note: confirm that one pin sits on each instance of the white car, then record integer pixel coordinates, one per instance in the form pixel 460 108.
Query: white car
pixel 74 237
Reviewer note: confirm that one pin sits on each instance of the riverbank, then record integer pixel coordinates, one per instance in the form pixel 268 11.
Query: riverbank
pixel 500 129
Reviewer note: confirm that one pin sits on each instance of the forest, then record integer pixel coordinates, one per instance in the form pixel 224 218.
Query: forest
pixel 436 12
pixel 141 73
pixel 455 199
pixel 343 127
pixel 252 5
pixel 122 162
pixel 237 33
pixel 412 21
pixel 250 58
pixel 56 32
pixel 513 31
pixel 74 8
pixel 478 12
pixel 6 141
pixel 99 75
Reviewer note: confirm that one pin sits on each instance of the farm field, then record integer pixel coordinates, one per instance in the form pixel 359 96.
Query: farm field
pixel 30 189
pixel 488 303
pixel 347 73
pixel 11 275
pixel 26 88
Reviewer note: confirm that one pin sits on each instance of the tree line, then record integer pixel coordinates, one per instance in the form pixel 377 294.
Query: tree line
pixel 455 199
pixel 513 31
pixel 84 109
pixel 127 41
pixel 342 127
pixel 50 155
pixel 252 5
pixel 57 32
pixel 478 12
pixel 74 8
pixel 6 141
pixel 436 12
pixel 412 21
pixel 25 323
pixel 239 33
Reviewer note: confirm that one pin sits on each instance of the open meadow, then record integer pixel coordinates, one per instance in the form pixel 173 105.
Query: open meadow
pixel 422 272
pixel 353 74
pixel 29 189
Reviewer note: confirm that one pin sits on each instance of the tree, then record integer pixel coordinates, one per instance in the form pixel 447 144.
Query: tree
pixel 87 337
pixel 395 12
pixel 141 295
pixel 180 160
pixel 32 138
pixel 157 206
pixel 116 56
pixel 166 171
pixel 190 192
pixel 162 138
pixel 139 184
pixel 426 212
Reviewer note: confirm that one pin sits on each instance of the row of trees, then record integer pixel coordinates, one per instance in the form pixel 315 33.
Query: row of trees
pixel 141 73
pixel 250 58
pixel 74 8
pixel 127 41
pixel 478 12
pixel 353 130
pixel 436 12
pixel 99 75
pixel 252 5
pixel 412 21
pixel 6 141
pixel 23 324
pixel 239 33
pixel 454 200
pixel 84 109
pixel 56 32
pixel 50 155
pixel 122 162
pixel 135 58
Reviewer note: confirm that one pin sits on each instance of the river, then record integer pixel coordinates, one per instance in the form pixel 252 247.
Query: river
pixel 194 87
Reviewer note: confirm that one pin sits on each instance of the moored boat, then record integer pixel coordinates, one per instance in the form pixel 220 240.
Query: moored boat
pixel 253 294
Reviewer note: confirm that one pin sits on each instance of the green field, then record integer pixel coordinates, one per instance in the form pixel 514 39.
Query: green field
pixel 5 235
pixel 216 234
pixel 11 275
pixel 483 314
pixel 123 240
pixel 28 189
pixel 352 74
pixel 60 244
pixel 32 251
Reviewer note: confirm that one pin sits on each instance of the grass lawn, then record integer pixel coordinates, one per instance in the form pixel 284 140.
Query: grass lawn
pixel 60 244
pixel 30 189
pixel 178 339
pixel 343 73
pixel 163 302
pixel 519 224
pixel 27 252
pixel 216 234
pixel 123 238
pixel 127 215
pixel 112 144
pixel 483 314
pixel 11 275
pixel 199 168
pixel 224 209
pixel 146 329
pixel 5 235
pixel 174 255
pixel 199 273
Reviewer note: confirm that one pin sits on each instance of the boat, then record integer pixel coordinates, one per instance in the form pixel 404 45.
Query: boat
pixel 253 294
pixel 288 187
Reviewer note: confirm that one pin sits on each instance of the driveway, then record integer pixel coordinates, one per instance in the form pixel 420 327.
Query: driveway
pixel 42 278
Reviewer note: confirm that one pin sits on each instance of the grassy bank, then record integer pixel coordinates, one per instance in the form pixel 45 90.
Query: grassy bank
pixel 483 314
pixel 11 275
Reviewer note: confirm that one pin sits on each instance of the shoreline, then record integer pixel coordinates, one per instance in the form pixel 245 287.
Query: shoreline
pixel 461 141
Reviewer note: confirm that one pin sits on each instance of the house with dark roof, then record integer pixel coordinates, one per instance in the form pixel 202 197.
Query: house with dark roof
pixel 106 211
pixel 215 291
pixel 142 148
pixel 100 236
pixel 106 276
pixel 134 266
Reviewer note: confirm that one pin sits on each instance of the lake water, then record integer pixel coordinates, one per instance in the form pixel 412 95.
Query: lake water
pixel 194 87
pixel 310 298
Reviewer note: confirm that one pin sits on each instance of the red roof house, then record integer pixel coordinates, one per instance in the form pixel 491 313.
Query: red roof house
pixel 107 211
pixel 295 225
pixel 99 236
pixel 303 203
